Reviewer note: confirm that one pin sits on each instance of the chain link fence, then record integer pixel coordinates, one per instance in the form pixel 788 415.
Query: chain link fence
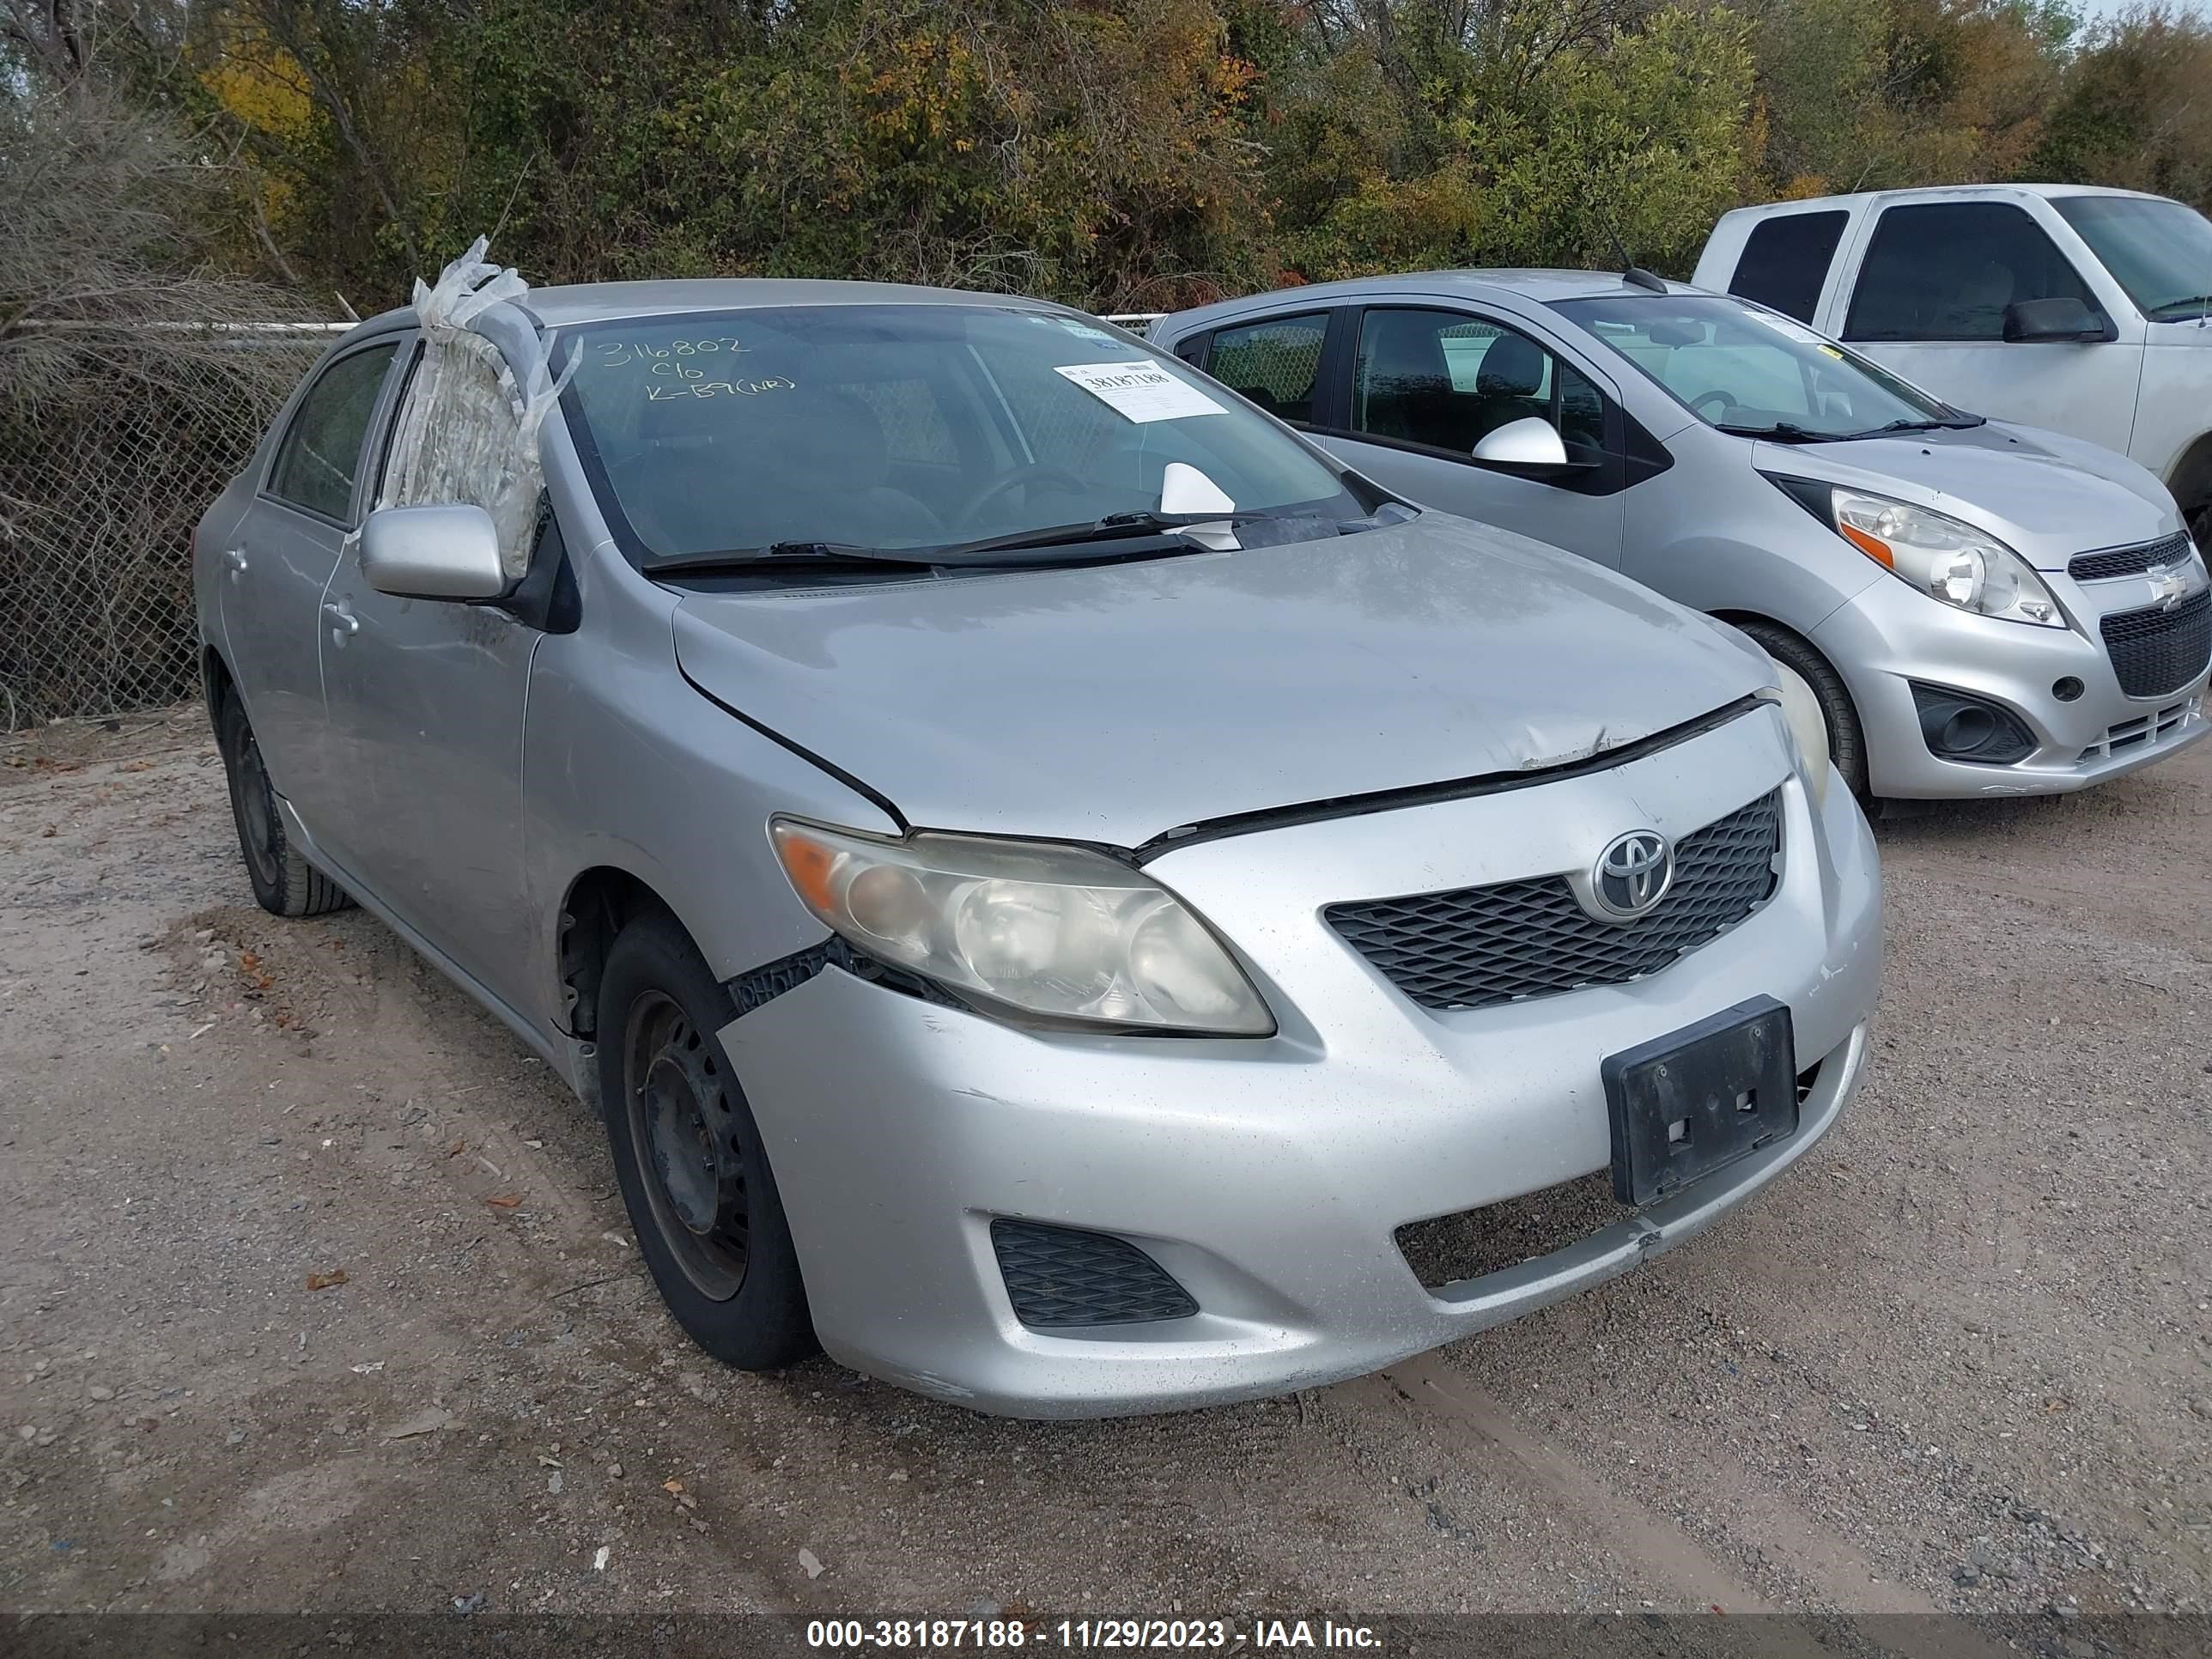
pixel 100 488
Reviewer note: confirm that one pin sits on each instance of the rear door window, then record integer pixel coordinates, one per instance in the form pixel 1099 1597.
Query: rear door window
pixel 1275 363
pixel 320 457
pixel 1946 270
pixel 1785 261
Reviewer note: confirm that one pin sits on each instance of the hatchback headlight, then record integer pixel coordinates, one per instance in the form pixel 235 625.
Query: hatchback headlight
pixel 1053 932
pixel 1944 557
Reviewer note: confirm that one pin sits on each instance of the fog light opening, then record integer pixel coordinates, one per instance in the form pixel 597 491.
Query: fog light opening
pixel 1957 726
pixel 1966 731
pixel 2066 689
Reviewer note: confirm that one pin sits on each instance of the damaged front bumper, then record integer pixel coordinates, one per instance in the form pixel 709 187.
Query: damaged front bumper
pixel 1268 1177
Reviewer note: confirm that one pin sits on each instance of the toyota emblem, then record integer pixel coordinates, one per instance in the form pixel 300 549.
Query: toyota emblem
pixel 1632 874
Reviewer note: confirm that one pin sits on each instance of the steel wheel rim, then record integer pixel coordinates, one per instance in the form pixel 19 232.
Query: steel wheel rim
pixel 684 1135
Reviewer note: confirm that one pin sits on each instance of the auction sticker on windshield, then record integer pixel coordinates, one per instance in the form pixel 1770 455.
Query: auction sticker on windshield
pixel 1141 391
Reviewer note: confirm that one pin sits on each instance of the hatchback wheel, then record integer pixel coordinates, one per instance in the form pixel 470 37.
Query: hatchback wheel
pixel 694 1173
pixel 284 883
pixel 1846 746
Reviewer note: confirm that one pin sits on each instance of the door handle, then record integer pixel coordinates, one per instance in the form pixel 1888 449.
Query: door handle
pixel 235 558
pixel 343 623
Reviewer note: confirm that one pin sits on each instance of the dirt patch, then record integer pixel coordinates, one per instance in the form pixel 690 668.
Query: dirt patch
pixel 315 1292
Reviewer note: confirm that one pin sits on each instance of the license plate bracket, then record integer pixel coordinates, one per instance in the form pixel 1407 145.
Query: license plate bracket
pixel 1696 1100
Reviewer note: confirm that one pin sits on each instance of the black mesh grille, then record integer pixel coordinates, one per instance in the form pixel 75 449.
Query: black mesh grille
pixel 1058 1276
pixel 1483 946
pixel 2154 651
pixel 2128 561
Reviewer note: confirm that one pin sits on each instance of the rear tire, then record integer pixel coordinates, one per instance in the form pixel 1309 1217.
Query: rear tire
pixel 1846 746
pixel 695 1176
pixel 284 883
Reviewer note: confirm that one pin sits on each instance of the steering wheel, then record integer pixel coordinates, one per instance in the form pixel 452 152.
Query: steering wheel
pixel 1035 472
pixel 1724 401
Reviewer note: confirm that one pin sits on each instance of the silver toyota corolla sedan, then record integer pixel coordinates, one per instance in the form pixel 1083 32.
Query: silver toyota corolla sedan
pixel 1051 882
pixel 1983 609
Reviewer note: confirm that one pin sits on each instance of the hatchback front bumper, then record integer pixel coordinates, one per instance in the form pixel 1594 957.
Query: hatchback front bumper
pixel 1890 637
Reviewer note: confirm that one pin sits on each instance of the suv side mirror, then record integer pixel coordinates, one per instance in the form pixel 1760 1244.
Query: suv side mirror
pixel 1529 441
pixel 2065 319
pixel 443 552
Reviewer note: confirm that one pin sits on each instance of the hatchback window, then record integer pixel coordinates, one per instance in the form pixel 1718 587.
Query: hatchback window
pixel 1276 363
pixel 1785 261
pixel 1946 270
pixel 2161 251
pixel 320 456
pixel 1447 380
pixel 902 427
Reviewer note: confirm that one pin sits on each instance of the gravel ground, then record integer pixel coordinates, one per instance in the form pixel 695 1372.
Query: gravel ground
pixel 315 1292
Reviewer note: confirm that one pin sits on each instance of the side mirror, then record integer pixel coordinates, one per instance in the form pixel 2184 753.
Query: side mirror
pixel 1528 441
pixel 2027 321
pixel 445 552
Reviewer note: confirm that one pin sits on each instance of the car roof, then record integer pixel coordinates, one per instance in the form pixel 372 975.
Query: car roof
pixel 566 305
pixel 1539 287
pixel 1927 193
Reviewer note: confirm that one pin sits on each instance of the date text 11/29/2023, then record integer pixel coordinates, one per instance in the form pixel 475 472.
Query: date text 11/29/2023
pixel 950 1635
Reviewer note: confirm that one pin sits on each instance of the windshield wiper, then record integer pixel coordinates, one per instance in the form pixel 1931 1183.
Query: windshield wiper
pixel 1115 526
pixel 1958 422
pixel 783 554
pixel 2196 305
pixel 1787 432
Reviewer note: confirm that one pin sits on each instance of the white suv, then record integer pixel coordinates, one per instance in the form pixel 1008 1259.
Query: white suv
pixel 2088 312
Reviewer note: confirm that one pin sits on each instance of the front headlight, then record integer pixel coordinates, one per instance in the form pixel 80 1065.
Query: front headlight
pixel 1055 932
pixel 1808 727
pixel 1944 557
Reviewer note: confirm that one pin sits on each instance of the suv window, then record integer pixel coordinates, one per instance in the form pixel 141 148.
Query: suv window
pixel 1785 261
pixel 1276 363
pixel 1446 379
pixel 1946 270
pixel 320 455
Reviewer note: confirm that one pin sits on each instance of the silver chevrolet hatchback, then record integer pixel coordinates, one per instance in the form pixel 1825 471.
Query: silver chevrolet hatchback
pixel 1982 608
pixel 1061 893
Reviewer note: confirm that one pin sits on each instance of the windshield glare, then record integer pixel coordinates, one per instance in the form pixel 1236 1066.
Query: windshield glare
pixel 1736 366
pixel 898 427
pixel 2161 251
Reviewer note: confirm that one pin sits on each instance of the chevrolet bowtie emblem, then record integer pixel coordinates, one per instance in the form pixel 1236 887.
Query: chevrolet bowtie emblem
pixel 2167 585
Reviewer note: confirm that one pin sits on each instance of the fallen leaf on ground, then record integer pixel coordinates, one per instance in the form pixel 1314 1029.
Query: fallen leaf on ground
pixel 429 1422
pixel 325 1281
pixel 672 1486
pixel 505 1200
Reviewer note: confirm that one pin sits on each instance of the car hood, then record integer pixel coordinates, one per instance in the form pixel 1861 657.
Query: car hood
pixel 1115 702
pixel 2046 497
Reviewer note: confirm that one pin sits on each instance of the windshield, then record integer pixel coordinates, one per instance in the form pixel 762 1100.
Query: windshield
pixel 2161 251
pixel 900 427
pixel 1749 370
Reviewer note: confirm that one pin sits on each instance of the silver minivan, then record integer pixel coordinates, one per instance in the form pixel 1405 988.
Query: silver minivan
pixel 1060 892
pixel 1982 608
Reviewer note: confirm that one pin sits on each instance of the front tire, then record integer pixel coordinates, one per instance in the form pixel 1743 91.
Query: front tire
pixel 695 1176
pixel 284 883
pixel 1846 746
